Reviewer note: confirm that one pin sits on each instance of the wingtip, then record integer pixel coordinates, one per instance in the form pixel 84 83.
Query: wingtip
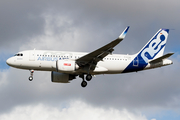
pixel 171 53
pixel 123 34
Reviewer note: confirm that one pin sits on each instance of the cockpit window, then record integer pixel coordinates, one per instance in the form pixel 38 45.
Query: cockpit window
pixel 18 54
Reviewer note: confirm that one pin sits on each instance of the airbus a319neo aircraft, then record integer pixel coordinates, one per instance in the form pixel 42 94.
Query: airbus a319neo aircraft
pixel 66 66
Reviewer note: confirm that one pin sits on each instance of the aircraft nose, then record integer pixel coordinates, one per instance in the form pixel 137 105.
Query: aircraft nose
pixel 9 61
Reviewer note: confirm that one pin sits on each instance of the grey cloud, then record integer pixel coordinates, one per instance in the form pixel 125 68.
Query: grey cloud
pixel 20 20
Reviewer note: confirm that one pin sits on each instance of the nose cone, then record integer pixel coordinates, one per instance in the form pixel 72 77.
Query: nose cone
pixel 9 61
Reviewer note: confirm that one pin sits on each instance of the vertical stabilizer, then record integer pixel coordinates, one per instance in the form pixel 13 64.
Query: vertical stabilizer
pixel 152 50
pixel 155 47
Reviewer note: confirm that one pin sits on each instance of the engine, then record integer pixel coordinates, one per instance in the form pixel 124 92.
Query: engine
pixel 61 77
pixel 66 66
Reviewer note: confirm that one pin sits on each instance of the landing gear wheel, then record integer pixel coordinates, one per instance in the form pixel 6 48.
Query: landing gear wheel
pixel 30 78
pixel 31 75
pixel 84 84
pixel 88 77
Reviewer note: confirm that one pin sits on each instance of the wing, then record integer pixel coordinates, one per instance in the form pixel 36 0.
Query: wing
pixel 92 58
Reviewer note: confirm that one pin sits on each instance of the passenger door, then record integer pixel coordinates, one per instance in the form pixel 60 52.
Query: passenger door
pixel 32 55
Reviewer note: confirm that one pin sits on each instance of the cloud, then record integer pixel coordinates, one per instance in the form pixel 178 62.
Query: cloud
pixel 3 76
pixel 59 33
pixel 73 110
pixel 18 23
pixel 21 24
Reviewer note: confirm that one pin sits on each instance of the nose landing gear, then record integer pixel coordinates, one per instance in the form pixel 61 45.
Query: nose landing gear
pixel 31 77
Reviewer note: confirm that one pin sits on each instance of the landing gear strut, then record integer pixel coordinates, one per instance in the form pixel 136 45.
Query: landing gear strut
pixel 88 78
pixel 31 77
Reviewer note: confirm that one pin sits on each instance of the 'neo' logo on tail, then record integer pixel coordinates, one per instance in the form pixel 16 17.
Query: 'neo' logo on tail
pixel 155 45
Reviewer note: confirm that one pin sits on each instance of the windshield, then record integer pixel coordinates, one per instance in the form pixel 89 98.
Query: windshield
pixel 18 54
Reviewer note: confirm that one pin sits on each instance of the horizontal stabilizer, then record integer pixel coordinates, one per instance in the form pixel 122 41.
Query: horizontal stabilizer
pixel 161 58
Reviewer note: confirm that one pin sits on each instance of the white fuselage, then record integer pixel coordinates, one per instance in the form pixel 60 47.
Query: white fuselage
pixel 45 60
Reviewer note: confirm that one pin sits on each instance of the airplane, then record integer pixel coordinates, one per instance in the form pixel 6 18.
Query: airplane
pixel 66 66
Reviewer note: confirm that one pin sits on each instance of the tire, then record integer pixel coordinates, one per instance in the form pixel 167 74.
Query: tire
pixel 30 78
pixel 84 84
pixel 88 77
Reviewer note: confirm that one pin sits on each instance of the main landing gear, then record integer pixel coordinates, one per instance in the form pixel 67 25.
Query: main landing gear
pixel 88 78
pixel 31 77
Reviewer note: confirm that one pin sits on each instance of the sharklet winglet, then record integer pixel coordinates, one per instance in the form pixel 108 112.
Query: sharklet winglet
pixel 123 34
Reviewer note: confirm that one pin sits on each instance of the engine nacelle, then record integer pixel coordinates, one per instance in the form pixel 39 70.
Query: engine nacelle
pixel 61 77
pixel 66 66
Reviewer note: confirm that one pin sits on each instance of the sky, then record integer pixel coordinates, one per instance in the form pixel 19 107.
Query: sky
pixel 84 26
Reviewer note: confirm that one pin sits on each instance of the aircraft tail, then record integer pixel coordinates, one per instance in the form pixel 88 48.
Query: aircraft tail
pixel 155 47
pixel 153 50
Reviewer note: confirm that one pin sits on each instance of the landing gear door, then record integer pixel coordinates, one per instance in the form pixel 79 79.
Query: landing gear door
pixel 32 55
